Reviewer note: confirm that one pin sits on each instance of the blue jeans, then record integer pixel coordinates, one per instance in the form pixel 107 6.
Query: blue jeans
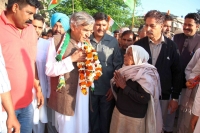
pixel 25 118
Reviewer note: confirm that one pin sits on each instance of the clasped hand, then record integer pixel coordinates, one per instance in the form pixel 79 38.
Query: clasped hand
pixel 119 80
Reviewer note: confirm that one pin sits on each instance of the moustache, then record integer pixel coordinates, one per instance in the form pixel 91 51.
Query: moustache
pixel 100 30
pixel 149 32
pixel 56 32
pixel 187 29
pixel 167 31
pixel 29 21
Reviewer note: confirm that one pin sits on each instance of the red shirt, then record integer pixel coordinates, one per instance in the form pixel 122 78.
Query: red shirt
pixel 19 51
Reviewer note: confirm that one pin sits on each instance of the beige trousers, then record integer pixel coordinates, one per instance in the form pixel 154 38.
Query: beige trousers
pixel 124 124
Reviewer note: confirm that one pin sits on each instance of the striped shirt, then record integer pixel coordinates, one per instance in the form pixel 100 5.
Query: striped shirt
pixel 4 81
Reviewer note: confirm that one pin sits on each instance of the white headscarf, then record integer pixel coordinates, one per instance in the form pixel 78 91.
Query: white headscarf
pixel 147 76
pixel 140 55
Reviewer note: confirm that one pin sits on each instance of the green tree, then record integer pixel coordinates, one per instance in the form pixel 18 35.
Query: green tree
pixel 115 8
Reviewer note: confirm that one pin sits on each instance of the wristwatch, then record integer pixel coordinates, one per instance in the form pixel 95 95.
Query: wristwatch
pixel 175 100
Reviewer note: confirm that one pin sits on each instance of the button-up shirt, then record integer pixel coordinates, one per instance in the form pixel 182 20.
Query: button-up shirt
pixel 110 58
pixel 155 49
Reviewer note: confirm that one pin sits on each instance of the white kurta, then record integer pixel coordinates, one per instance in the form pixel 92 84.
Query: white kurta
pixel 196 109
pixel 79 122
pixel 40 116
pixel 192 70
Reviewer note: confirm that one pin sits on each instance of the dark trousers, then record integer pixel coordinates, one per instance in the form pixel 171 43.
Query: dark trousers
pixel 100 113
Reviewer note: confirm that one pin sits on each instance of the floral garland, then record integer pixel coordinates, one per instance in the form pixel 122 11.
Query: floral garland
pixel 89 70
pixel 61 50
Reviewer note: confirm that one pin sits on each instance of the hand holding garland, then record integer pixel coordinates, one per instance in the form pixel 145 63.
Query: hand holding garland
pixel 78 56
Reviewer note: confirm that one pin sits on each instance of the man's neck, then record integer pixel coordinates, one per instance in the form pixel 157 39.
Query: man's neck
pixel 9 17
pixel 98 38
pixel 191 36
pixel 156 40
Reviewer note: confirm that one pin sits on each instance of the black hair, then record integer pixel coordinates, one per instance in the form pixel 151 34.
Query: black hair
pixel 116 31
pixel 50 31
pixel 140 28
pixel 127 32
pixel 100 16
pixel 194 16
pixel 38 17
pixel 135 36
pixel 44 33
pixel 23 3
pixel 160 18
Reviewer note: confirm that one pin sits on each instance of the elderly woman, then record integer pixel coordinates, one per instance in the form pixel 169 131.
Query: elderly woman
pixel 136 87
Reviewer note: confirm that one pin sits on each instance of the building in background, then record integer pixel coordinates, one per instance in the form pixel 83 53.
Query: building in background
pixel 2 5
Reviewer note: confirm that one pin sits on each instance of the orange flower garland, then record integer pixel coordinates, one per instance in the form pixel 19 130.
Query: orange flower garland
pixel 89 70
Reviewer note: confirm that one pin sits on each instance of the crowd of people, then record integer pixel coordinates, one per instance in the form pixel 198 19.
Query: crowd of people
pixel 148 79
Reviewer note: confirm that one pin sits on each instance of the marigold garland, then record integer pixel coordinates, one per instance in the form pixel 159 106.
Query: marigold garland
pixel 89 70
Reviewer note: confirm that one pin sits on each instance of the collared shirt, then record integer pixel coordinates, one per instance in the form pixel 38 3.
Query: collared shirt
pixel 19 51
pixel 4 81
pixel 155 49
pixel 110 58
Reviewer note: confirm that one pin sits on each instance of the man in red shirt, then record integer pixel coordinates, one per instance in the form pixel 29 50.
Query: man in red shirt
pixel 19 42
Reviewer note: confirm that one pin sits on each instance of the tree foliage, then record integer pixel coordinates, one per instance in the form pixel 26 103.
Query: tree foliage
pixel 115 8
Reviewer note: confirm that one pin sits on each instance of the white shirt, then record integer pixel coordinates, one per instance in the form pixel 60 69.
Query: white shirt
pixel 4 81
pixel 193 67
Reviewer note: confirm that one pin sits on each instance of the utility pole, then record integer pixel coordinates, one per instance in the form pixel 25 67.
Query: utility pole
pixel 133 14
pixel 73 6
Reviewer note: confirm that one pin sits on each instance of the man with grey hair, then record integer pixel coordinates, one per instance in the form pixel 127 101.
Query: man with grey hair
pixel 70 105
pixel 164 56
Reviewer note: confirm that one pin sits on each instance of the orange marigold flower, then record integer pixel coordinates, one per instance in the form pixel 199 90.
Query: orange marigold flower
pixel 87 73
pixel 98 68
pixel 82 77
pixel 87 62
pixel 93 50
pixel 96 77
pixel 80 66
pixel 84 91
pixel 89 83
pixel 95 57
pixel 89 67
pixel 98 74
pixel 82 83
pixel 89 55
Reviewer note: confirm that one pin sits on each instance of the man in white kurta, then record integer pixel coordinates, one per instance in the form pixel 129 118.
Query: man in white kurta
pixel 40 115
pixel 192 70
pixel 81 25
